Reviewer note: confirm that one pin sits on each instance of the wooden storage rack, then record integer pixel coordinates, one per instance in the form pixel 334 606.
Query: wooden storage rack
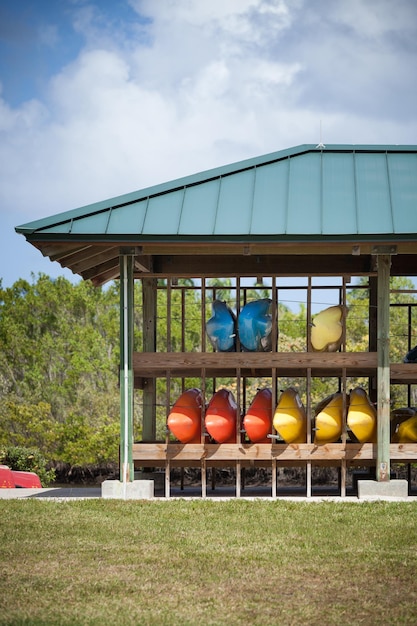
pixel 240 455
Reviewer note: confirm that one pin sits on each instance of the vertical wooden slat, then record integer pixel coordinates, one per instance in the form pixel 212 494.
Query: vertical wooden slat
pixel 203 478
pixel 342 481
pixel 344 433
pixel 238 428
pixel 383 378
pixel 274 382
pixel 203 468
pixel 372 339
pixel 167 478
pixel 149 295
pixel 308 387
pixel 183 318
pixel 308 409
pixel 203 437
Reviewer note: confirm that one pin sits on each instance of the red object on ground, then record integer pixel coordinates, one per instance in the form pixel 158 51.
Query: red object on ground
pixel 221 417
pixel 258 420
pixel 184 420
pixel 10 479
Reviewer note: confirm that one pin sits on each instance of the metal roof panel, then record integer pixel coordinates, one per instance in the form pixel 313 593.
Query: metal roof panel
pixel 270 198
pixel 234 210
pixel 338 194
pixel 163 213
pixel 304 195
pixel 127 219
pixel 402 170
pixel 199 208
pixel 96 222
pixel 373 194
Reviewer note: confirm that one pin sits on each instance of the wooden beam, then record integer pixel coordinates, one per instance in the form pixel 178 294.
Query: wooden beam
pixel 149 364
pixel 301 453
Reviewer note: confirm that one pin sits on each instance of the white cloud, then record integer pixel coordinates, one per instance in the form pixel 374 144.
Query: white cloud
pixel 210 83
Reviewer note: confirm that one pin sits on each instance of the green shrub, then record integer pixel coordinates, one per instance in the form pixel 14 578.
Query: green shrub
pixel 27 460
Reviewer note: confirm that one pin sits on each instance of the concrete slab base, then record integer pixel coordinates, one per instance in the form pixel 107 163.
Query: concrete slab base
pixel 136 490
pixel 378 490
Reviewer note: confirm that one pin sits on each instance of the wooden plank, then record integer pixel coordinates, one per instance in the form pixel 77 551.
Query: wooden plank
pixel 147 364
pixel 282 453
pixel 403 372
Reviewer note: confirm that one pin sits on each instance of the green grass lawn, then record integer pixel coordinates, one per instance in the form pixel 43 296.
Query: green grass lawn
pixel 182 562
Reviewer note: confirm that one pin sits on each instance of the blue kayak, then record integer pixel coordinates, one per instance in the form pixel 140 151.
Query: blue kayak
pixel 255 326
pixel 221 328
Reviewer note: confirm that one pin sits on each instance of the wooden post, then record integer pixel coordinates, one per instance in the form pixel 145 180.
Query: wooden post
pixel 383 376
pixel 149 345
pixel 126 369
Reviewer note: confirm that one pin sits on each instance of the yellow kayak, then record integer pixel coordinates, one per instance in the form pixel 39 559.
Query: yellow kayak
pixel 398 416
pixel 327 329
pixel 407 430
pixel 290 419
pixel 361 417
pixel 329 420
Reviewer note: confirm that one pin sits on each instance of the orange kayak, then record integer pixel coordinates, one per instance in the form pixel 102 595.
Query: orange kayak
pixel 221 417
pixel 184 420
pixel 258 420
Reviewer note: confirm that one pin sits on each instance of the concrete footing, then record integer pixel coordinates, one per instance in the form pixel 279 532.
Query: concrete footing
pixel 378 489
pixel 136 490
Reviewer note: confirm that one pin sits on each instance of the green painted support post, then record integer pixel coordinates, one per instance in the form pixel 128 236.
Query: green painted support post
pixel 383 377
pixel 126 368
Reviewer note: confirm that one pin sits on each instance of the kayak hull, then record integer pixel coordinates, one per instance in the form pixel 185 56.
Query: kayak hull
pixel 329 421
pixel 327 330
pixel 221 327
pixel 184 420
pixel 290 420
pixel 221 416
pixel 258 420
pixel 255 326
pixel 361 418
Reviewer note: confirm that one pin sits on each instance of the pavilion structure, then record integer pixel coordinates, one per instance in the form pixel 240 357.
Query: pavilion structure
pixel 338 213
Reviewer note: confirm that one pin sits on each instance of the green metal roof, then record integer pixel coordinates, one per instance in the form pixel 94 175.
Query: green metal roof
pixel 307 190
pixel 302 196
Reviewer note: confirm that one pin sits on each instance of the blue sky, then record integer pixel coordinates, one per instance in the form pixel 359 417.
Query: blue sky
pixel 102 97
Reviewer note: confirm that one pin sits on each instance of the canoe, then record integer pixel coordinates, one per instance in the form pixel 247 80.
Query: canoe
pixel 290 420
pixel 329 420
pixel 221 327
pixel 327 329
pixel 258 420
pixel 184 420
pixel 220 417
pixel 361 417
pixel 255 326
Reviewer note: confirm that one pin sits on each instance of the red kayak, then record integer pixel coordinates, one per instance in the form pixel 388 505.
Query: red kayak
pixel 184 420
pixel 258 420
pixel 10 479
pixel 221 417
